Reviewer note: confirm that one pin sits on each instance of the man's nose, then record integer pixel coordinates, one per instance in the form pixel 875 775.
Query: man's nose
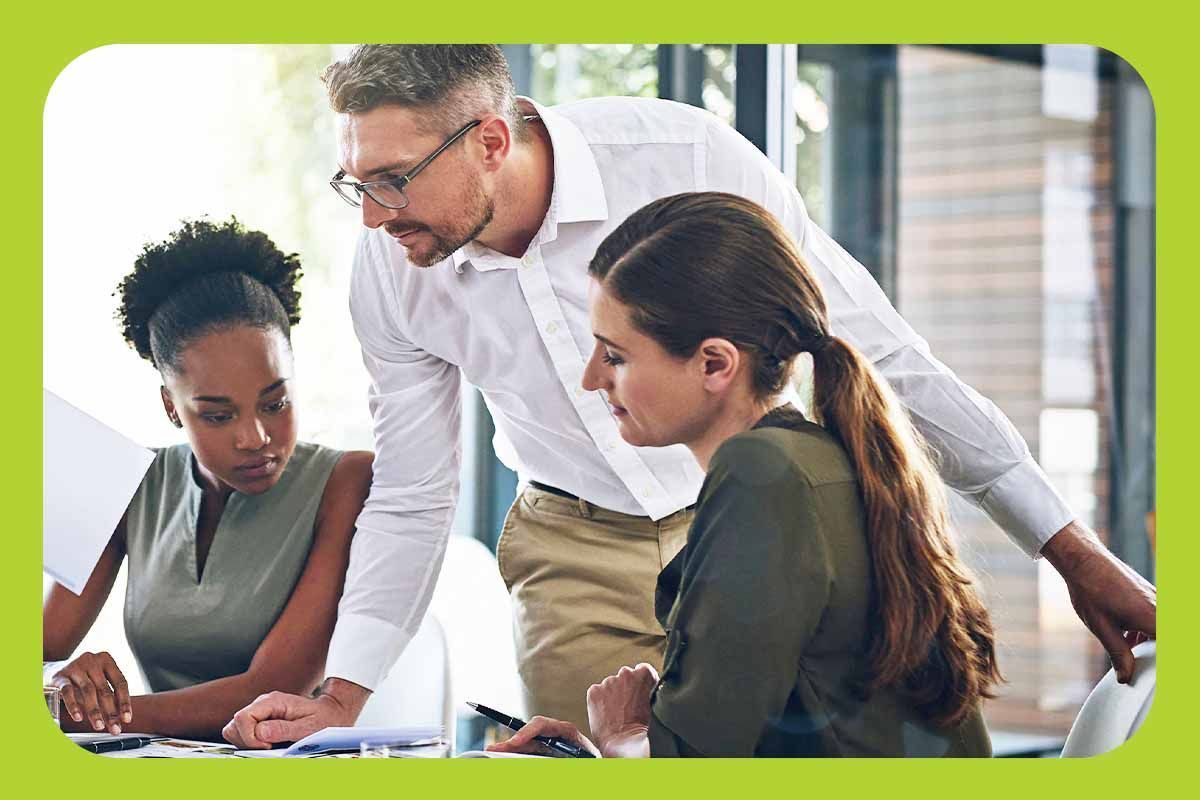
pixel 373 214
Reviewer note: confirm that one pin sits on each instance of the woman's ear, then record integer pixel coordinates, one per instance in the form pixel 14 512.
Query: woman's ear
pixel 169 407
pixel 720 360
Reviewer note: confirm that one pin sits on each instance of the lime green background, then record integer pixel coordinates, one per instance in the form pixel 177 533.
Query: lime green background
pixel 44 37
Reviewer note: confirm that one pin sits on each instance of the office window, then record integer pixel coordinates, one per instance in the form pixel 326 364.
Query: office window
pixel 1005 264
pixel 565 72
pixel 812 98
pixel 720 75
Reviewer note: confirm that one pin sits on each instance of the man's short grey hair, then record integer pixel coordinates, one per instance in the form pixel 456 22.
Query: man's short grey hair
pixel 451 83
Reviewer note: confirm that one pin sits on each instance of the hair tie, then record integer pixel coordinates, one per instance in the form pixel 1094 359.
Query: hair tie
pixel 818 344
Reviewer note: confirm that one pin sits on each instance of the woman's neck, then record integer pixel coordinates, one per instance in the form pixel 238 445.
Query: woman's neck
pixel 212 487
pixel 739 417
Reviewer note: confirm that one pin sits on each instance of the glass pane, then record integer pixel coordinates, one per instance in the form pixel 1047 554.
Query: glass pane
pixel 720 76
pixel 1005 266
pixel 812 98
pixel 565 72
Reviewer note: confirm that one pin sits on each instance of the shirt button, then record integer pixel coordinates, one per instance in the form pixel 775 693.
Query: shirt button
pixel 580 391
pixel 551 327
pixel 528 260
pixel 647 491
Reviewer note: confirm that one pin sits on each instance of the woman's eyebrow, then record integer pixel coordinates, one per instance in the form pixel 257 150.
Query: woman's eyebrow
pixel 607 342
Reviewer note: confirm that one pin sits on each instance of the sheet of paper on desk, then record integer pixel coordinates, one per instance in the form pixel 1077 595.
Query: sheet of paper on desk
pixel 177 748
pixel 89 474
pixel 350 739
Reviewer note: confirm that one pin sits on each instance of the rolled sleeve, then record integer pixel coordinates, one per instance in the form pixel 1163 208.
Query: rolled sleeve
pixel 402 531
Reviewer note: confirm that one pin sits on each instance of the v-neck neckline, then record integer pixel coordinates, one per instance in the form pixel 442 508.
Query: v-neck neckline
pixel 195 501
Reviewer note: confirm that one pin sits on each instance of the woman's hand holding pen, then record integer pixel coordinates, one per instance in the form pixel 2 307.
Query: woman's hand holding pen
pixel 618 713
pixel 522 741
pixel 94 689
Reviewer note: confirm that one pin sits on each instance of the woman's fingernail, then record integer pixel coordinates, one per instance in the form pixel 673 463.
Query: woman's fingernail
pixel 128 716
pixel 98 725
pixel 77 717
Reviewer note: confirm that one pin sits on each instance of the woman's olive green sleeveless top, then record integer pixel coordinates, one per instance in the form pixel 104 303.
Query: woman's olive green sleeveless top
pixel 185 630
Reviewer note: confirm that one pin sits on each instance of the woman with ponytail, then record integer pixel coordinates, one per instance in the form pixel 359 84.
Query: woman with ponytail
pixel 819 607
pixel 236 543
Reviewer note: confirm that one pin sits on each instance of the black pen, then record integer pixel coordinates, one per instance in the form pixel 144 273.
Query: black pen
pixel 119 743
pixel 553 742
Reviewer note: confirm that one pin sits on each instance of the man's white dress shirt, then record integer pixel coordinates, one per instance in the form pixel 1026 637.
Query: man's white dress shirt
pixel 518 329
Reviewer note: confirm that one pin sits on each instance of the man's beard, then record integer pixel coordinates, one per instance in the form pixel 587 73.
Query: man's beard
pixel 475 204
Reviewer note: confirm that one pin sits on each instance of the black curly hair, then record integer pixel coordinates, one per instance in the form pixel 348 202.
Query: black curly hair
pixel 205 277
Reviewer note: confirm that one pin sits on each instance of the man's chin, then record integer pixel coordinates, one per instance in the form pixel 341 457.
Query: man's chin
pixel 424 257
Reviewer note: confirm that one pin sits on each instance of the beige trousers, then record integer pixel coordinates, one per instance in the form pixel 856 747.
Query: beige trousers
pixel 582 581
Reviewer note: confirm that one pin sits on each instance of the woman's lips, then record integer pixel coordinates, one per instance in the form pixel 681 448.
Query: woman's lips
pixel 618 411
pixel 258 469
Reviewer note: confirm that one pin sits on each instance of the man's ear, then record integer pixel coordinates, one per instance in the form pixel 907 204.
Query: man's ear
pixel 496 138
pixel 169 407
pixel 720 360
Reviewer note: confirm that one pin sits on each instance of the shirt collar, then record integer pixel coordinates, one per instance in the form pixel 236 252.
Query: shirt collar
pixel 577 196
pixel 578 191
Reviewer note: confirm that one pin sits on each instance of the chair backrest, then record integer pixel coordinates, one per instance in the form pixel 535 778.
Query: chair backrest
pixel 1113 712
pixel 473 606
pixel 417 690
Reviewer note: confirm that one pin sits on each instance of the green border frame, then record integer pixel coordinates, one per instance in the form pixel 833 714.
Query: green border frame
pixel 43 39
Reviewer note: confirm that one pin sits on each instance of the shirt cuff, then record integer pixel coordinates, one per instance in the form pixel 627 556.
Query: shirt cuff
pixel 363 650
pixel 1027 507
pixel 51 667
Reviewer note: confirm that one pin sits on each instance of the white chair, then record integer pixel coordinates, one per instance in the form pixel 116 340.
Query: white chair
pixel 417 690
pixel 1113 712
pixel 473 606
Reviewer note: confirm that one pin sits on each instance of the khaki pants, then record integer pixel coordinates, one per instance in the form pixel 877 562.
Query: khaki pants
pixel 582 581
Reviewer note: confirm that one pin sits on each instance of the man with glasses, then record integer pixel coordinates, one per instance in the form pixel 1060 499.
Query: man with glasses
pixel 482 212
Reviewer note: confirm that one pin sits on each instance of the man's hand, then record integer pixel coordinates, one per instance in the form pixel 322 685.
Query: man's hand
pixel 1116 604
pixel 280 717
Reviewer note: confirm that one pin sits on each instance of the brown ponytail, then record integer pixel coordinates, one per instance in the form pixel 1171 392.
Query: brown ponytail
pixel 709 264
pixel 935 638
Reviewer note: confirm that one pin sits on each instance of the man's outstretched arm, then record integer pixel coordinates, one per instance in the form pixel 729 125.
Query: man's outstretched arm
pixel 402 532
pixel 981 455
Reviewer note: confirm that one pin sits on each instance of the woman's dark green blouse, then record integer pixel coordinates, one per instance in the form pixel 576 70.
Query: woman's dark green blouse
pixel 767 613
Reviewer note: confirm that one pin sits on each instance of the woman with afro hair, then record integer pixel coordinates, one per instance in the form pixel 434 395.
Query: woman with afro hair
pixel 236 541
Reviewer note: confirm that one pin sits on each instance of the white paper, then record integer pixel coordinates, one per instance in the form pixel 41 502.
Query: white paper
pixel 496 754
pixel 89 474
pixel 349 738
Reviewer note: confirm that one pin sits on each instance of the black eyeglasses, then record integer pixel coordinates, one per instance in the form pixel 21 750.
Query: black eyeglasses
pixel 390 193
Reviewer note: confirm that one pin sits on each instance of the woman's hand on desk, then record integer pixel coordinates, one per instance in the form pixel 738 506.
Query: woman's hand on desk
pixel 95 693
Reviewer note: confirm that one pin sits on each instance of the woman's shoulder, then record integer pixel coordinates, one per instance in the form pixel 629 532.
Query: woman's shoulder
pixel 802 448
pixel 353 469
pixel 348 485
pixel 171 463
